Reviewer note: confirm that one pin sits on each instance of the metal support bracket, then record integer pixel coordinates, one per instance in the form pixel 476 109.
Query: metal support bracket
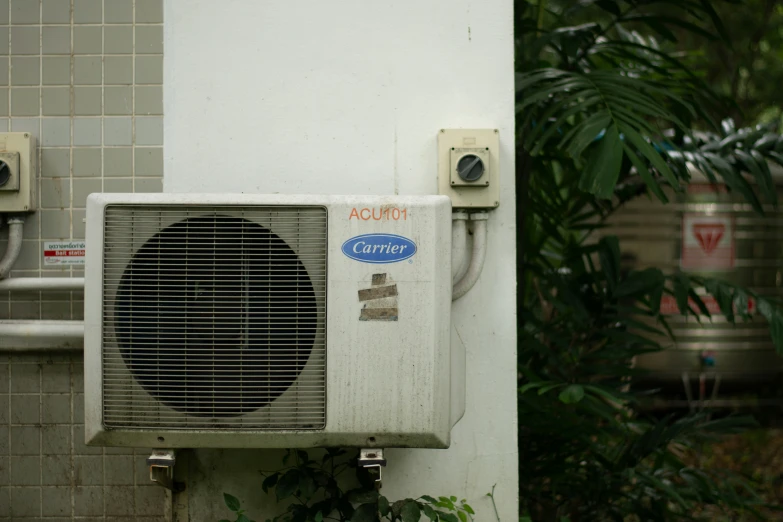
pixel 372 460
pixel 161 464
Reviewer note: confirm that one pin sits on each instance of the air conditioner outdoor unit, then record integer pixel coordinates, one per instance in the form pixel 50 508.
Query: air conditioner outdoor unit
pixel 269 321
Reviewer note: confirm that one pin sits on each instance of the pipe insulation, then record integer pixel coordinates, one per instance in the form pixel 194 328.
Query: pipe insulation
pixel 477 257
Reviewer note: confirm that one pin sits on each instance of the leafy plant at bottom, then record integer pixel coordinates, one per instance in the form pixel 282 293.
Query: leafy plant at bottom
pixel 318 496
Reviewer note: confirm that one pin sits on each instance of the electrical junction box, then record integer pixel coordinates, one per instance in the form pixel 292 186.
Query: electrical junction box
pixel 239 320
pixel 17 172
pixel 468 167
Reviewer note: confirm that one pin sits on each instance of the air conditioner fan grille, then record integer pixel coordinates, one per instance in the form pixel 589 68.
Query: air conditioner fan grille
pixel 214 317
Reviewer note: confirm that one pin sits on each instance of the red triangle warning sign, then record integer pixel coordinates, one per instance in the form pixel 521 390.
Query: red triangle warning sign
pixel 709 235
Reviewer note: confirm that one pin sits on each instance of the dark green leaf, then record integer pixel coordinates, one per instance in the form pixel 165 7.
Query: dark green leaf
pixel 243 518
pixel 307 485
pixel 288 484
pixel 319 517
pixel 270 482
pixel 410 511
pixel 429 512
pixel 383 506
pixel 365 513
pixel 232 502
pixel 602 170
pixel 572 394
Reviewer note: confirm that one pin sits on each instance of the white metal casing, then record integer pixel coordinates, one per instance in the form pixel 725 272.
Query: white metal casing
pixel 388 383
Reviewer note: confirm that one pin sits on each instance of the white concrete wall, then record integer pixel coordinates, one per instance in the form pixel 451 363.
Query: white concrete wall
pixel 347 97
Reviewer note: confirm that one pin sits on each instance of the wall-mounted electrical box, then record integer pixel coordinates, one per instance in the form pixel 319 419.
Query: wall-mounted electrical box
pixel 468 168
pixel 17 172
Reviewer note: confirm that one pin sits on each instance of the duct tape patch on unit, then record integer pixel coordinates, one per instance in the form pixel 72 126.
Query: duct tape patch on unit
pixel 60 253
pixel 707 242
pixel 379 300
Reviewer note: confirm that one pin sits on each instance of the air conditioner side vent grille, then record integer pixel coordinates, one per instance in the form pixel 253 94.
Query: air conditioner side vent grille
pixel 214 317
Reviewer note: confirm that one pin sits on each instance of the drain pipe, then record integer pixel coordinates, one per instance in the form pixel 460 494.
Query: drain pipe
pixel 477 257
pixel 15 230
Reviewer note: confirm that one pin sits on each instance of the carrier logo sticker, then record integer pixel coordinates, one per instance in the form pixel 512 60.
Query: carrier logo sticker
pixel 379 248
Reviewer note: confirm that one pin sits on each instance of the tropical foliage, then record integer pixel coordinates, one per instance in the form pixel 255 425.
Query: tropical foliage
pixel 607 111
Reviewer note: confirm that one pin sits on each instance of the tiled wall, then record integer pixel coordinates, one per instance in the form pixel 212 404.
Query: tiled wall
pixel 85 77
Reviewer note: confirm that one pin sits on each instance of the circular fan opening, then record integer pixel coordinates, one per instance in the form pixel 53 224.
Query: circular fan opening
pixel 215 316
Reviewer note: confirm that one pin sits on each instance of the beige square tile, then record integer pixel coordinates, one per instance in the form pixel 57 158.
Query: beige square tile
pixel 26 471
pixel 57 502
pixel 56 101
pixel 79 226
pixel 55 163
pixel 5 68
pixel 118 185
pixel 149 130
pixel 149 100
pixel 87 40
pixel 25 12
pixel 118 11
pixel 117 162
pixel 118 39
pixel 87 101
pixel 87 11
pixel 4 40
pixel 148 185
pixel 87 70
pixel 25 101
pixel 4 101
pixel 25 409
pixel 88 501
pixel 25 440
pixel 25 40
pixel 56 11
pixel 86 131
pixel 56 70
pixel 149 39
pixel 25 502
pixel 83 187
pixel 87 163
pixel 118 70
pixel 56 40
pixel 55 224
pixel 89 470
pixel 57 468
pixel 149 69
pixel 117 101
pixel 117 131
pixel 4 8
pixel 25 70
pixel 55 193
pixel 32 125
pixel 56 132
pixel 149 11
pixel 149 161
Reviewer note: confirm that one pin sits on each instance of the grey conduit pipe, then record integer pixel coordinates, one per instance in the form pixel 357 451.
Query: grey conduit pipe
pixel 459 239
pixel 15 230
pixel 477 257
pixel 33 335
pixel 42 284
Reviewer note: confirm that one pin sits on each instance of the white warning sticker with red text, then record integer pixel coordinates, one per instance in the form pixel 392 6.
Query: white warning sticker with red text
pixel 707 242
pixel 64 253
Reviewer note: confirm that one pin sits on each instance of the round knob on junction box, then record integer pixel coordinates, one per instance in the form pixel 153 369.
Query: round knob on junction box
pixel 470 168
pixel 5 173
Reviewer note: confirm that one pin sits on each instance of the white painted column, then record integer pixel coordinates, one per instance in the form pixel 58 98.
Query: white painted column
pixel 347 97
